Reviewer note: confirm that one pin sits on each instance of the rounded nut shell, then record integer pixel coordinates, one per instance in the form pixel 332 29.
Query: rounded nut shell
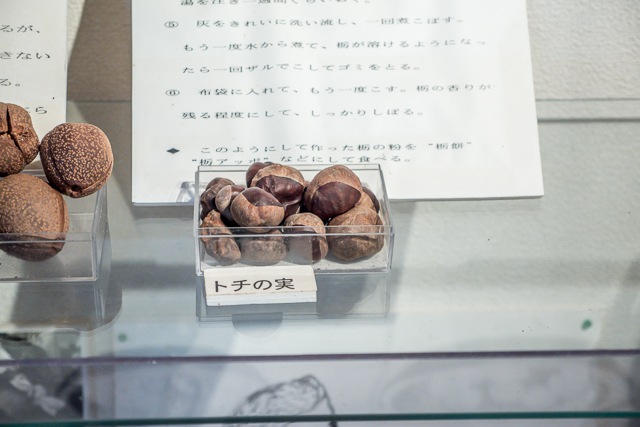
pixel 19 143
pixel 76 158
pixel 208 197
pixel 257 210
pixel 224 198
pixel 332 192
pixel 223 249
pixel 263 250
pixel 372 196
pixel 284 182
pixel 32 211
pixel 306 237
pixel 253 169
pixel 357 234
pixel 365 201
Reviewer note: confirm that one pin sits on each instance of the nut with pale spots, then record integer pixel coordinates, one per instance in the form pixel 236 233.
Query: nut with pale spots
pixel 33 214
pixel 19 142
pixel 76 158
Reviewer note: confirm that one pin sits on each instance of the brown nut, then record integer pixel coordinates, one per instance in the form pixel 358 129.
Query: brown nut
pixel 19 143
pixel 32 211
pixel 284 182
pixel 76 158
pixel 223 249
pixel 357 236
pixel 224 198
pixel 332 192
pixel 365 201
pixel 257 210
pixel 306 237
pixel 263 250
pixel 372 196
pixel 219 182
pixel 253 170
pixel 208 197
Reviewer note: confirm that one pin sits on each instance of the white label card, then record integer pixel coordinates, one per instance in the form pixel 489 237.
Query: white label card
pixel 440 90
pixel 33 59
pixel 259 285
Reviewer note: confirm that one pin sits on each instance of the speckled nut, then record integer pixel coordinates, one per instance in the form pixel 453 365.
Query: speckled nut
pixel 332 192
pixel 32 211
pixel 257 210
pixel 225 250
pixel 208 197
pixel 305 238
pixel 76 158
pixel 284 182
pixel 224 198
pixel 263 250
pixel 19 142
pixel 253 170
pixel 355 236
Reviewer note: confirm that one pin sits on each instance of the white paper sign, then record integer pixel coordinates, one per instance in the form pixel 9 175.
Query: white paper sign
pixel 440 93
pixel 33 59
pixel 259 285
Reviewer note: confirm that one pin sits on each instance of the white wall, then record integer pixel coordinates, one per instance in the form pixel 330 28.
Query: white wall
pixel 585 48
pixel 581 49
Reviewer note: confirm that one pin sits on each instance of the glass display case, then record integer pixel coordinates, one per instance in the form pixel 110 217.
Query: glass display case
pixel 526 307
pixel 478 312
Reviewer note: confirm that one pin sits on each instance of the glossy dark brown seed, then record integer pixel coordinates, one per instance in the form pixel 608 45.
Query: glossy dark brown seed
pixel 223 249
pixel 332 192
pixel 257 210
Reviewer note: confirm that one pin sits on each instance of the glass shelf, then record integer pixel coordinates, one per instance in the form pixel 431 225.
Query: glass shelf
pixel 526 308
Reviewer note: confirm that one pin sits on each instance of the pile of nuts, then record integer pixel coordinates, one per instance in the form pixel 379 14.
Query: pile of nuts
pixel 332 215
pixel 77 161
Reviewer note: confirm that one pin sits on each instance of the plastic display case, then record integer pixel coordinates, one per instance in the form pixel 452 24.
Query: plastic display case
pixel 358 287
pixel 370 176
pixel 79 259
pixel 72 305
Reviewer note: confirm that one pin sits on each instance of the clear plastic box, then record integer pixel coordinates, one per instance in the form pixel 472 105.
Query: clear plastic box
pixel 370 176
pixel 335 278
pixel 79 259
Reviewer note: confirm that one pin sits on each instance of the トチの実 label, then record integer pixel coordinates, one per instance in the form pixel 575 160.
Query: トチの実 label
pixel 259 285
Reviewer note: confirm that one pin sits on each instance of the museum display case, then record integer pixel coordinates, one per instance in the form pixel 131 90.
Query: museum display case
pixel 526 306
pixel 475 310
